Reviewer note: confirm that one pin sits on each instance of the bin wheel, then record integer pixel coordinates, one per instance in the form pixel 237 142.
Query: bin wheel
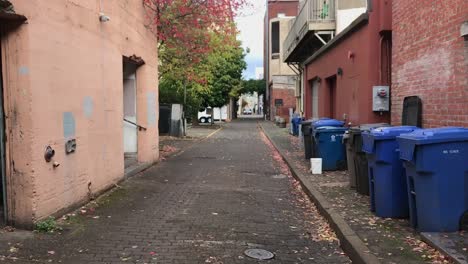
pixel 464 222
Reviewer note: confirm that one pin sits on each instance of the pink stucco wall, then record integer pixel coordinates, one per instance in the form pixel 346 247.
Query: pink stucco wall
pixel 64 62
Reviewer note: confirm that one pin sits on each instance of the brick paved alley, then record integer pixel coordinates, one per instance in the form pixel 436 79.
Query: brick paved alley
pixel 207 205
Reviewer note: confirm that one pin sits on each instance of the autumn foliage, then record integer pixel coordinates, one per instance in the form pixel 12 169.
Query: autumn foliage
pixel 185 27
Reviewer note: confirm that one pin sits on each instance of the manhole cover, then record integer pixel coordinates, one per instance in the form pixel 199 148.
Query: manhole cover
pixel 259 254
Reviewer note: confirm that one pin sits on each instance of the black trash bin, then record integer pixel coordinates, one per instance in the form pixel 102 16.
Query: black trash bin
pixel 356 158
pixel 307 134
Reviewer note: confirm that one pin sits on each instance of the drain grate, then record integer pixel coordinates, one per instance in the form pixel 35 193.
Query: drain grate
pixel 259 254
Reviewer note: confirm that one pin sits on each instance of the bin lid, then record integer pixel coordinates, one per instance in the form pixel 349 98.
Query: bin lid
pixel 328 129
pixel 328 122
pixel 357 130
pixel 391 132
pixel 367 127
pixel 437 135
pixel 409 141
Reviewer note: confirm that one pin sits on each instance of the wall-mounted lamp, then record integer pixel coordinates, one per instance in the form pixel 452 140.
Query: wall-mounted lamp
pixel 351 55
pixel 49 153
pixel 339 71
pixel 103 17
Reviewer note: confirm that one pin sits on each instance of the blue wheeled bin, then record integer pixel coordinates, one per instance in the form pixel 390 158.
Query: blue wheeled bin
pixel 387 179
pixel 329 146
pixel 436 162
pixel 295 121
pixel 322 122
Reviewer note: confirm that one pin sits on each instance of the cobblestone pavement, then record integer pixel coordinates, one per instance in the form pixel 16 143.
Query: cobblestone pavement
pixel 391 240
pixel 227 194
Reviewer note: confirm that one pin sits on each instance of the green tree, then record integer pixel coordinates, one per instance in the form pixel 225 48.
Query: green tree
pixel 249 87
pixel 226 74
pixel 211 81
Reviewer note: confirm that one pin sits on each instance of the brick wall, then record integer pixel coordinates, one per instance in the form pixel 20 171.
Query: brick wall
pixel 430 61
pixel 289 101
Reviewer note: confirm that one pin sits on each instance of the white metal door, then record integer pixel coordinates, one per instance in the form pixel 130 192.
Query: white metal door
pixel 130 130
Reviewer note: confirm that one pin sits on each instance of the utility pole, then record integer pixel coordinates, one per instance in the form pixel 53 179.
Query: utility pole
pixel 184 119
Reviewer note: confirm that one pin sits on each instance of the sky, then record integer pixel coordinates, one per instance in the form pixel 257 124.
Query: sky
pixel 250 25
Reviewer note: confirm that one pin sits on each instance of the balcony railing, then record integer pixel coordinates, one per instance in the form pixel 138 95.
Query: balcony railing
pixel 314 15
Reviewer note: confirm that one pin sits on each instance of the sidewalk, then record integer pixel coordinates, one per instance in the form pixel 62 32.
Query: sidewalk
pixel 389 240
pixel 169 146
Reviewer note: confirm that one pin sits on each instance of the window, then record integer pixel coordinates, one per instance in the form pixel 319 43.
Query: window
pixel 278 102
pixel 275 37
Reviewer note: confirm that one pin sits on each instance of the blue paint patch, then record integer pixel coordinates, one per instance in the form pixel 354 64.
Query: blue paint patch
pixel 68 125
pixel 151 108
pixel 23 70
pixel 88 106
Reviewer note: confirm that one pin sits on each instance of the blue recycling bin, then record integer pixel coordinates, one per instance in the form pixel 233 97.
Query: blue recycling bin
pixel 387 179
pixel 436 162
pixel 329 146
pixel 295 121
pixel 322 122
pixel 325 121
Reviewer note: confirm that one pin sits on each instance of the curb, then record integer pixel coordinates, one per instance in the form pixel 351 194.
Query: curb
pixel 135 169
pixel 435 243
pixel 350 242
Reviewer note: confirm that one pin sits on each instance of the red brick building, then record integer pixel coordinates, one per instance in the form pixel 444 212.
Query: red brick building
pixel 430 60
pixel 280 79
pixel 339 78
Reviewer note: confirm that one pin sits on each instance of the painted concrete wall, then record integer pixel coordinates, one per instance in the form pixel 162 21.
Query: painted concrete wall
pixel 360 73
pixel 430 60
pixel 347 11
pixel 277 66
pixel 63 79
pixel 345 17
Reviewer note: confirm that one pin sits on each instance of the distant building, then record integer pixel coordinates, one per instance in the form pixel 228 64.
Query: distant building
pixel 359 60
pixel 250 101
pixel 344 52
pixel 280 78
pixel 259 71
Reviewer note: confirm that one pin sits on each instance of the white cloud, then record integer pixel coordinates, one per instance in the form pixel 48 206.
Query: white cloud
pixel 250 25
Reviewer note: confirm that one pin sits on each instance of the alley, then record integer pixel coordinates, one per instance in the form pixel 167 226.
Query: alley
pixel 209 204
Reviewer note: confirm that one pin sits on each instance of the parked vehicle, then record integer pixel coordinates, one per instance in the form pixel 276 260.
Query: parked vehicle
pixel 247 111
pixel 220 114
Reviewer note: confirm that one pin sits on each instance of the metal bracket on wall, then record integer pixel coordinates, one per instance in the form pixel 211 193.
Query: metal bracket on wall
pixel 318 33
pixel 70 146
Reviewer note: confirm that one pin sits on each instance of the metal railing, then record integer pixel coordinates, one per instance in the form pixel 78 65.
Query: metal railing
pixel 316 11
pixel 135 124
